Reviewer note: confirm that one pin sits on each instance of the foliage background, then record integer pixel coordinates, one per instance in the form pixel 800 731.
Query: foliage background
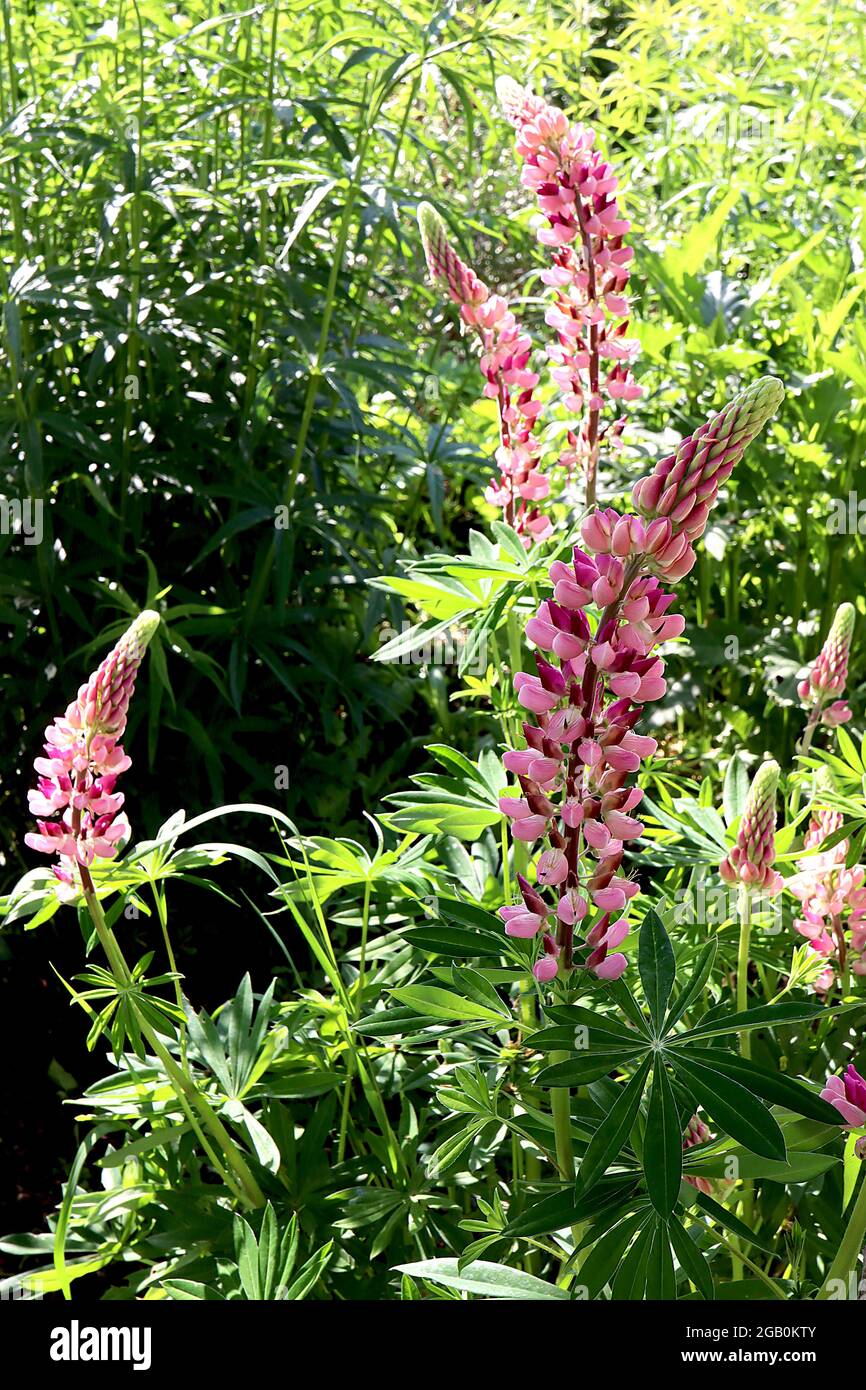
pixel 214 306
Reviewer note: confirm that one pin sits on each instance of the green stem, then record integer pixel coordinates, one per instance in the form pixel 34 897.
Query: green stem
pixel 365 926
pixel 745 913
pixel 560 1107
pixel 803 748
pixel 246 1187
pixel 849 1247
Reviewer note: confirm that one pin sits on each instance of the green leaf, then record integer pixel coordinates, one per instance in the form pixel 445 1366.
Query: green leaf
pixel 693 988
pixel 630 1281
pixel 763 1016
pixel 692 1261
pixel 563 1209
pixel 661 1283
pixel 485 1279
pixel 663 1144
pixel 773 1086
pixel 453 941
pixel 598 1061
pixel 613 1131
pixel 607 1253
pixel 798 1167
pixel 736 789
pixel 656 964
pixel 442 1003
pixel 728 1222
pixel 732 1107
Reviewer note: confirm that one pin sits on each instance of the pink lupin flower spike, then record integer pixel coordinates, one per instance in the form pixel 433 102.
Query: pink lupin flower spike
pixel 505 353
pixel 751 860
pixel 583 229
pixel 582 746
pixel 80 811
pixel 832 897
pixel 828 673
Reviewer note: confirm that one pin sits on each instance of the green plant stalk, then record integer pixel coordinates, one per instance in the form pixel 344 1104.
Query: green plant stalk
pixel 162 914
pixel 744 908
pixel 246 1187
pixel 803 748
pixel 849 1247
pixel 742 1259
pixel 560 1107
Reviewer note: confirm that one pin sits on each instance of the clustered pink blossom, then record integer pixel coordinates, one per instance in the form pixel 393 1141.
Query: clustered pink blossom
pixel 583 747
pixel 505 354
pixel 75 797
pixel 583 228
pixel 828 673
pixel 833 899
pixel 751 861
pixel 847 1094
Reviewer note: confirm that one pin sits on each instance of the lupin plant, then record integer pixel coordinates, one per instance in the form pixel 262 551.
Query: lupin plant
pixel 583 748
pixel 81 817
pixel 83 822
pixel 638 1134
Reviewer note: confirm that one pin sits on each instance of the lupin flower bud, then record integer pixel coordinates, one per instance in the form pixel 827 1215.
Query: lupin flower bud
pixel 828 674
pixel 697 1133
pixel 683 487
pixel 75 793
pixel 751 860
pixel 847 1094
pixel 505 354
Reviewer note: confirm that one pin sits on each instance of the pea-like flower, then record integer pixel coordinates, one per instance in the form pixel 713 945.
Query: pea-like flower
pixel 847 1094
